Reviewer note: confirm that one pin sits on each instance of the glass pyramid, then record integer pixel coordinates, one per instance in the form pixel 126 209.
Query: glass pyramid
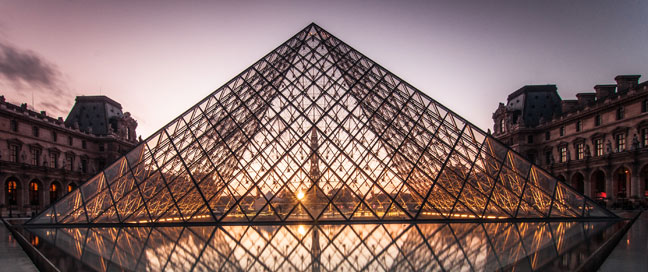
pixel 317 132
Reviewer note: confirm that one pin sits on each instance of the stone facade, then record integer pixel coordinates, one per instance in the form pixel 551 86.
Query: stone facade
pixel 42 158
pixel 598 143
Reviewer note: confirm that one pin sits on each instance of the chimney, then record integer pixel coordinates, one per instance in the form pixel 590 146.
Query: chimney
pixel 603 91
pixel 585 99
pixel 626 82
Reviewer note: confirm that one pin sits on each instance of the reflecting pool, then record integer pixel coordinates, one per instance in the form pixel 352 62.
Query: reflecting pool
pixel 343 247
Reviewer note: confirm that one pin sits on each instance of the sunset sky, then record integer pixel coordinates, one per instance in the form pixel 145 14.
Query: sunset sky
pixel 158 58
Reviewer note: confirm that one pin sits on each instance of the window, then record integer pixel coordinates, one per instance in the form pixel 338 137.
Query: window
pixel 644 106
pixel 620 113
pixel 644 137
pixel 598 147
pixel 54 136
pixel 579 126
pixel 547 136
pixel 597 120
pixel 53 160
pixel 35 131
pixel 84 165
pixel 69 160
pixel 101 163
pixel 620 142
pixel 501 126
pixel 12 193
pixel 548 157
pixel 530 139
pixel 71 187
pixel 70 140
pixel 36 153
pixel 83 144
pixel 13 153
pixel 580 151
pixel 562 131
pixel 101 147
pixel 14 125
pixel 34 198
pixel 563 153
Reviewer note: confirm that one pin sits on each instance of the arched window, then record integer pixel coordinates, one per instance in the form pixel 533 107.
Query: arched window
pixel 34 189
pixel 54 191
pixel 12 193
pixel 71 187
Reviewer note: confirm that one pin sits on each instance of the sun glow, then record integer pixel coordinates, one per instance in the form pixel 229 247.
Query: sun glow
pixel 300 195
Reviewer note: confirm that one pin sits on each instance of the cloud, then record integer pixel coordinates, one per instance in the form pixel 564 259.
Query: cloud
pixel 25 76
pixel 26 67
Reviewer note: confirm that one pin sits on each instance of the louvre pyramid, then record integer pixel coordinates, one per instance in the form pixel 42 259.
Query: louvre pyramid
pixel 317 132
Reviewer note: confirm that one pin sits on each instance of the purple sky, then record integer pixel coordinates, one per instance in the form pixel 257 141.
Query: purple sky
pixel 158 58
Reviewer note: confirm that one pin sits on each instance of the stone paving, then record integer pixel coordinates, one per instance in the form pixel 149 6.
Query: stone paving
pixel 631 254
pixel 12 256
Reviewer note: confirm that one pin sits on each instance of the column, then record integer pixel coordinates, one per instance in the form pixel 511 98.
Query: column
pixel 23 202
pixel 634 185
pixel 3 192
pixel 587 182
pixel 609 188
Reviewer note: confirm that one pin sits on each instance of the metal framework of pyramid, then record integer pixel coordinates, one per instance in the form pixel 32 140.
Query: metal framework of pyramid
pixel 317 132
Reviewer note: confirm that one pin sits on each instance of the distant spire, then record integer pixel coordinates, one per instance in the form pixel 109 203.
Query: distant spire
pixel 314 171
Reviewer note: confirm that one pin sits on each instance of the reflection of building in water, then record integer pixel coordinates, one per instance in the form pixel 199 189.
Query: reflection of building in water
pixel 43 158
pixel 356 247
pixel 598 143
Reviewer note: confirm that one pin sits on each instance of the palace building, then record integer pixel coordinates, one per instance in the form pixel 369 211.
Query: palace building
pixel 42 158
pixel 597 143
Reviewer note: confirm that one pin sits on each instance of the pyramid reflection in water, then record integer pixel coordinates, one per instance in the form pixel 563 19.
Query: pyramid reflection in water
pixel 315 131
pixel 359 247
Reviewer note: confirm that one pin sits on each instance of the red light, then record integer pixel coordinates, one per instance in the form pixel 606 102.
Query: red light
pixel 601 195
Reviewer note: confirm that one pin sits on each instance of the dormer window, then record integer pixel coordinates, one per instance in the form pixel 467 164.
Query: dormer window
pixel 501 126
